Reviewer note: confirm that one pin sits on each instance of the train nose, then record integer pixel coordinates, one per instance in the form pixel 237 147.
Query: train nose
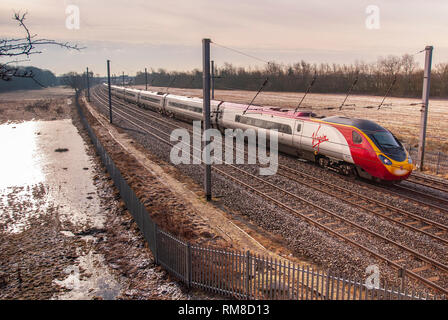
pixel 402 170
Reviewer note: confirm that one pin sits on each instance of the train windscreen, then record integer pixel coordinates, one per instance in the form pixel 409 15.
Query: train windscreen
pixel 387 143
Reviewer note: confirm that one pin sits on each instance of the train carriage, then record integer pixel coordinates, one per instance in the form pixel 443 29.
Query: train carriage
pixel 233 116
pixel 152 100
pixel 131 95
pixel 348 145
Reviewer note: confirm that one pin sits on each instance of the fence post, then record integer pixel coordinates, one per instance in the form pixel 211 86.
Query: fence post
pixel 188 262
pixel 247 274
pixel 402 275
pixel 88 86
pixel 156 254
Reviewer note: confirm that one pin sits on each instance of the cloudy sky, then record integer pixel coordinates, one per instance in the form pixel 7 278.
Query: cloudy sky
pixel 135 34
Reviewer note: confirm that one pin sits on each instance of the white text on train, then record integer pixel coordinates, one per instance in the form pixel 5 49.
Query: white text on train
pixel 212 153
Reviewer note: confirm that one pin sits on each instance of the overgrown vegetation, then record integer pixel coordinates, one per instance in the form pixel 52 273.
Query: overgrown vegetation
pixel 373 78
pixel 39 104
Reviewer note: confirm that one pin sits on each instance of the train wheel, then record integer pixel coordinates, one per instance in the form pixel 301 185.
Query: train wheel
pixel 322 162
pixel 347 170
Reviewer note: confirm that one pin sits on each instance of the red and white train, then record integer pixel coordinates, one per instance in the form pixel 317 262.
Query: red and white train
pixel 348 145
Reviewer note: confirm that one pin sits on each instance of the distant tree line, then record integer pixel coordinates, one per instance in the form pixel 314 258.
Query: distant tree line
pixel 46 78
pixel 402 75
pixel 40 78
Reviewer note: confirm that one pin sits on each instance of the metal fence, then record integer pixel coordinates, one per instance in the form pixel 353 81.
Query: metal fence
pixel 437 162
pixel 236 274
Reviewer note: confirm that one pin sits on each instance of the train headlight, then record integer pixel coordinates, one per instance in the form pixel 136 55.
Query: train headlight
pixel 385 160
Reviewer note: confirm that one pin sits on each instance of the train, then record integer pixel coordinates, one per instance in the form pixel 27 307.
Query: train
pixel 350 146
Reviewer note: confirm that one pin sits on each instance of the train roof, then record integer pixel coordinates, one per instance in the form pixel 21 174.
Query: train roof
pixel 132 89
pixel 362 124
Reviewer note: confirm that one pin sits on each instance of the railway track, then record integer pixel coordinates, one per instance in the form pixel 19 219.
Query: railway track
pixel 429 182
pixel 432 202
pixel 409 220
pixel 436 202
pixel 326 220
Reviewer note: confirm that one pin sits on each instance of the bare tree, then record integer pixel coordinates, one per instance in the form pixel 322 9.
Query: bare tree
pixel 390 65
pixel 15 49
pixel 75 81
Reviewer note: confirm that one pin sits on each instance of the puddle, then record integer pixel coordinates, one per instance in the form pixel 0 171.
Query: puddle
pixel 97 282
pixel 29 160
pixel 19 163
pixel 45 171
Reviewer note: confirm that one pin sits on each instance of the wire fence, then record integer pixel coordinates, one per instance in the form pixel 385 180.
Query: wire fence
pixel 236 274
pixel 436 162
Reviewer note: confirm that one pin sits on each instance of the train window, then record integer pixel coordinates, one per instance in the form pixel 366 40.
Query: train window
pixel 356 137
pixel 269 125
pixel 285 129
pixel 150 99
pixel 186 107
pixel 299 127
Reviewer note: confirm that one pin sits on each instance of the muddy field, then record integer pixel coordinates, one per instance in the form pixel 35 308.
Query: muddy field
pixel 400 115
pixel 26 105
pixel 64 233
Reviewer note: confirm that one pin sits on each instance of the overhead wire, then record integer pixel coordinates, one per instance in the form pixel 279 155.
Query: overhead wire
pixel 253 57
pixel 259 90
pixel 349 91
pixel 307 91
pixel 240 52
pixel 388 91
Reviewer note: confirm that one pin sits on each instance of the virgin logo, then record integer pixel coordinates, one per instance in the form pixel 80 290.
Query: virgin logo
pixel 318 139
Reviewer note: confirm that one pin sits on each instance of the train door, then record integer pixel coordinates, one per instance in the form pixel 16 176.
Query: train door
pixel 217 115
pixel 289 133
pixel 164 101
pixel 297 135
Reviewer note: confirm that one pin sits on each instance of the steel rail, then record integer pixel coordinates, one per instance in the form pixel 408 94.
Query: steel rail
pixel 429 182
pixel 368 200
